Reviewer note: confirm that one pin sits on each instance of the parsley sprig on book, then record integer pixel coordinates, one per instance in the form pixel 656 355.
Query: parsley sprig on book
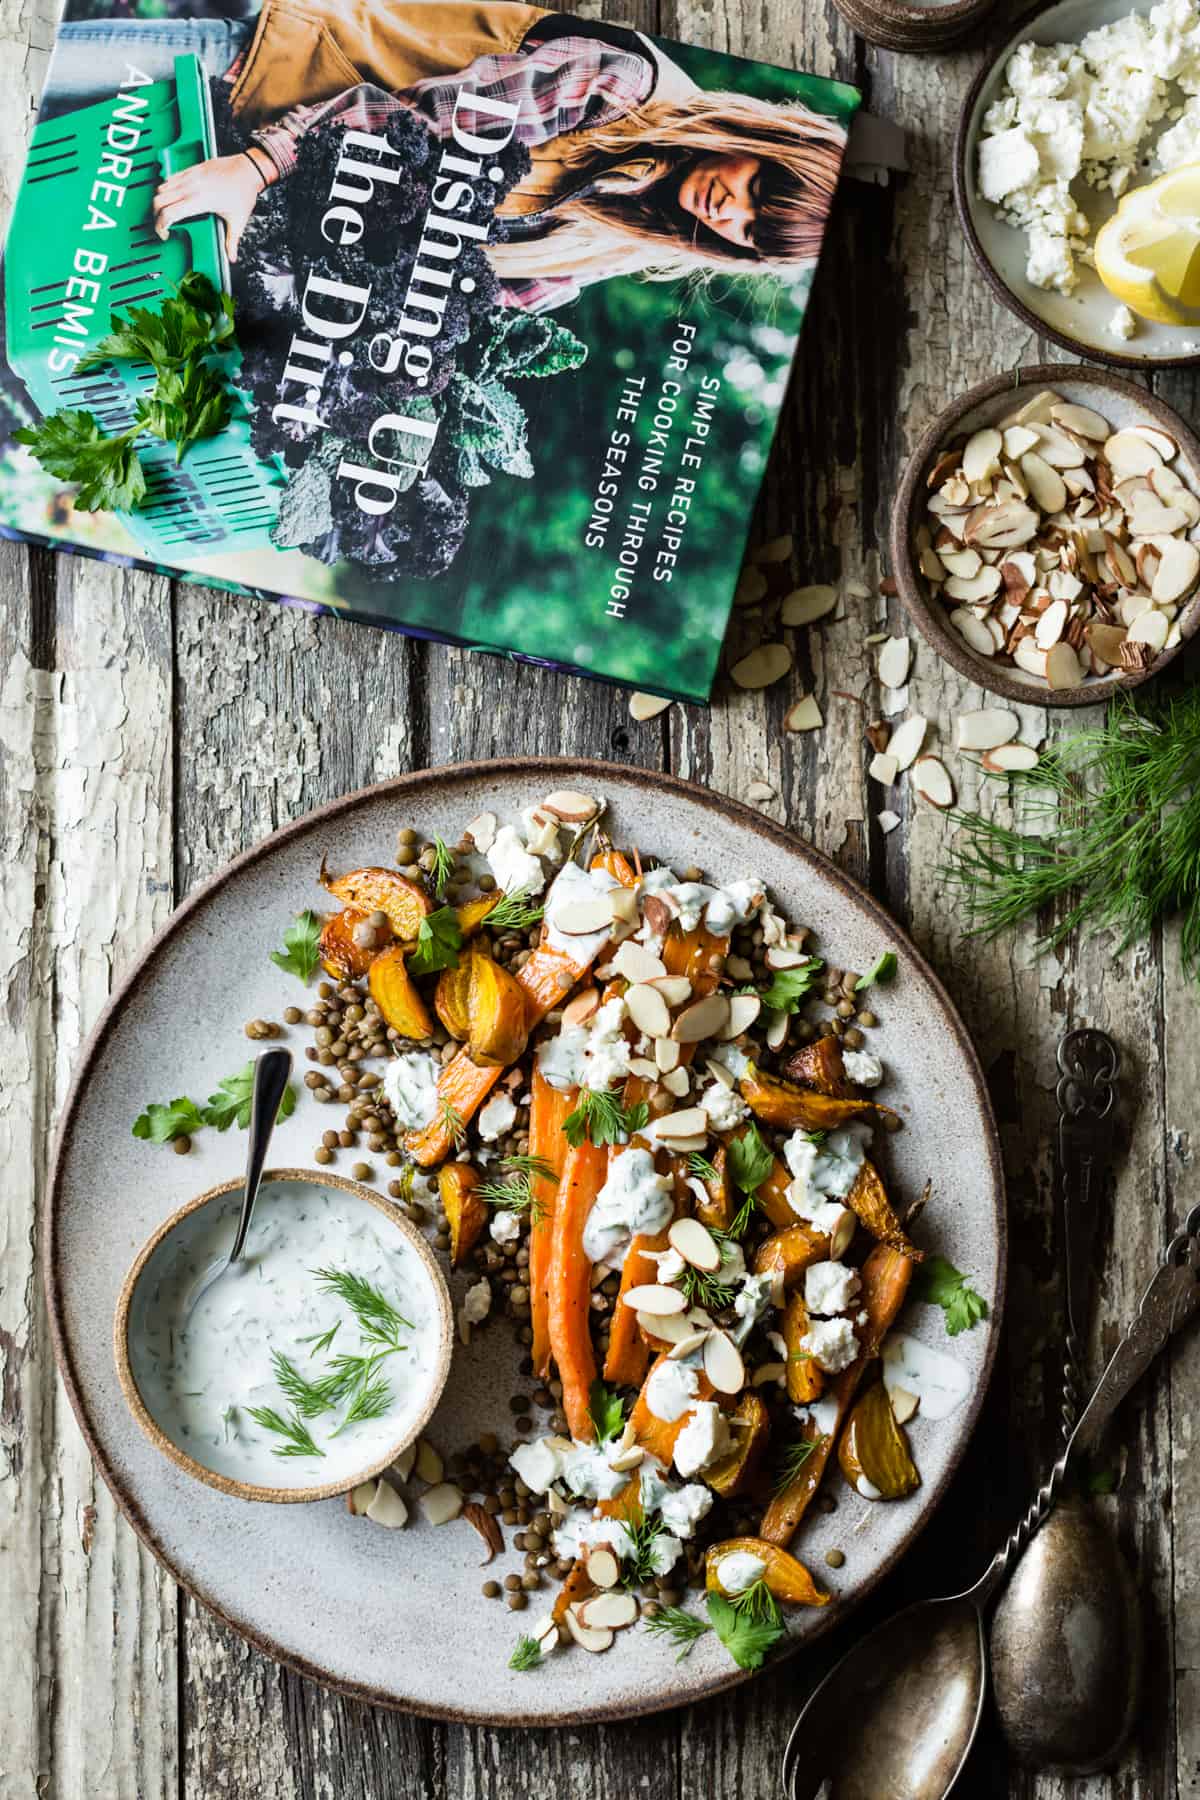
pixel 190 399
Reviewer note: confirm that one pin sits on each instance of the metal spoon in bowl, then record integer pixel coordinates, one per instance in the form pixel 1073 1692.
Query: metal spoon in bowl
pixel 271 1072
pixel 896 1718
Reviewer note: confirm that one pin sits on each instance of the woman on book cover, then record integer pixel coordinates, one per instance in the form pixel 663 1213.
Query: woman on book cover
pixel 635 170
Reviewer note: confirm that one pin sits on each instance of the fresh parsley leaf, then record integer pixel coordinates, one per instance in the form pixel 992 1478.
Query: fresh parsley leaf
pixel 72 447
pixel 190 323
pixel 186 406
pixel 883 970
pixel 527 1655
pixel 791 986
pixel 163 1124
pixel 230 1105
pixel 439 941
pixel 300 954
pixel 682 1628
pixel 749 1160
pixel 517 911
pixel 601 1117
pixel 746 1638
pixel 606 1411
pixel 939 1283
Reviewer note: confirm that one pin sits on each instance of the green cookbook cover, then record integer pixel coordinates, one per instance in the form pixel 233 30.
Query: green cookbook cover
pixel 511 299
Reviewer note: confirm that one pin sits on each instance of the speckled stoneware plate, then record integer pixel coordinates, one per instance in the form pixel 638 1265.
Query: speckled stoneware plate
pixel 396 1617
pixel 1079 321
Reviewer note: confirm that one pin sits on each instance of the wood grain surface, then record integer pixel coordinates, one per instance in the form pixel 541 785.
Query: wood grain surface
pixel 150 730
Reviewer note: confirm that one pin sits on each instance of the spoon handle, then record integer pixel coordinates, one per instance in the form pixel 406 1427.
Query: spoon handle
pixel 1168 1303
pixel 271 1071
pixel 1089 1064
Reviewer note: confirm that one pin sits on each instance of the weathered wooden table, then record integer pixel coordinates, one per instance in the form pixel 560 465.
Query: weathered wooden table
pixel 149 730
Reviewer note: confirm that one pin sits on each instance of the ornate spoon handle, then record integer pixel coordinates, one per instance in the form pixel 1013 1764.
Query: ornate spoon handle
pixel 1089 1064
pixel 1168 1303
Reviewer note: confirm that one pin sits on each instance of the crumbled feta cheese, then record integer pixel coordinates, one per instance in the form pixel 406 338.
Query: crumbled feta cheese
pixel 703 1439
pixel 831 1343
pixel 670 1265
pixel 751 1301
pixel 477 1304
pixel 586 1472
pixel 506 1227
pixel 577 1533
pixel 665 1551
pixel 561 1058
pixel 635 1201
pixel 497 1117
pixel 683 1508
pixel 862 1067
pixel 829 1168
pixel 724 1106
pixel 730 1057
pixel 829 1287
pixel 512 864
pixel 1008 160
pixel 1122 325
pixel 410 1084
pixel 670 1389
pixel 739 1570
pixel 821 1414
pixel 608 1051
pixel 539 1464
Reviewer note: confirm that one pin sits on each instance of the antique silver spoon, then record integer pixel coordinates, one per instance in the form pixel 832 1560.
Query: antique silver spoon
pixel 896 1718
pixel 271 1071
pixel 1066 1641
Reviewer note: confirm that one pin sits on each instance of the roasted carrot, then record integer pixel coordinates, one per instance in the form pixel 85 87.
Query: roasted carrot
pixel 659 1435
pixel 869 1199
pixel 569 1313
pixel 628 1352
pixel 577 1586
pixel 885 1278
pixel 548 1110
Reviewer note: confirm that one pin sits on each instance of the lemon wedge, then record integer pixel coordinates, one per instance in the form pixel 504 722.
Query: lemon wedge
pixel 1148 254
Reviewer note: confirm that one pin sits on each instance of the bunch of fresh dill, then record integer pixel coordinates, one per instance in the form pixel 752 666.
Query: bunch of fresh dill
pixel 1113 834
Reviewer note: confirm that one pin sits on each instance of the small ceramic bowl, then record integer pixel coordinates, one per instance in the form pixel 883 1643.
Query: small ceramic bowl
pixel 1121 403
pixel 1079 321
pixel 153 1261
pixel 912 26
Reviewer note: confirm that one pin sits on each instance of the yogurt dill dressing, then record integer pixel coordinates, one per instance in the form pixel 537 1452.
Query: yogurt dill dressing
pixel 199 1383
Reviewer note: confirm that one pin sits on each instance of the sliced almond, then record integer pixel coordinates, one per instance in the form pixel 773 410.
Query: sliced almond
pixel 973 631
pixel 1159 441
pixel 666 1055
pixel 1006 758
pixel 962 562
pixel 686 1345
pixel 1062 667
pixel 657 1301
pixel 695 1244
pixel 1178 567
pixel 624 1460
pixel 677 1082
pixel 625 907
pixel 981 454
pixel 1150 629
pixel 703 1019
pixel 904 1404
pixel 768 664
pixel 973 588
pixel 1059 449
pixel 1150 518
pixel 1051 625
pixel 648 1010
pixel 403 1464
pixel 907 739
pixel 691 1121
pixel 723 1363
pixel 1080 419
pixel 1019 438
pixel 1045 483
pixel 579 1010
pixel 984 730
pixel 675 989
pixel 581 918
pixel 842 1235
pixel 718 1071
pixel 388 1509
pixel 743 1011
pixel 777 1030
pixel 1105 640
pixel 604 1571
pixel 648 706
pixel 442 1503
pixel 751 588
pixel 429 1466
pixel 359 1498
pixel 668 1328
pixel 1037 409
pixel 883 768
pixel 607 1612
pixel 894 660
pixel 597 1641
pixel 932 782
pixel 636 963
pixel 804 715
pixel 805 604
pixel 1130 453
pixel 482 831
pixel 775 550
pixel 572 807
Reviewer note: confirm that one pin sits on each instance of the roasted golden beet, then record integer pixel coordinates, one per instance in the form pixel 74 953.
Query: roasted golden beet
pixel 790 1252
pixel 498 1024
pixel 820 1066
pixel 805 1377
pixel 869 1199
pixel 473 913
pixel 395 993
pixel 751 1427
pixel 466 1214
pixel 452 999
pixel 382 890
pixel 341 957
pixel 788 1107
pixel 874 1450
pixel 786 1578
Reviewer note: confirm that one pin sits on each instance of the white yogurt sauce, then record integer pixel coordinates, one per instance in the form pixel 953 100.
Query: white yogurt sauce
pixel 739 1571
pixel 571 884
pixel 410 1084
pixel 939 1381
pixel 635 1201
pixel 199 1381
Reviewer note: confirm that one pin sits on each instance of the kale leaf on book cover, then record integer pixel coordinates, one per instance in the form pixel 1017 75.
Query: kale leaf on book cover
pixel 459 317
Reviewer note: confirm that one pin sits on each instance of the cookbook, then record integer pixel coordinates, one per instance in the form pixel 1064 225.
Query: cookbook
pixel 458 317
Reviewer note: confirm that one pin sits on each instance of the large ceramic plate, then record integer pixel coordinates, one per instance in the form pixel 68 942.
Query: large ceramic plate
pixel 1078 321
pixel 396 1617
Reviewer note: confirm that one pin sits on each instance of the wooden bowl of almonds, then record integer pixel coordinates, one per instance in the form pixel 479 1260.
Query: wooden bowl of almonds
pixel 1046 535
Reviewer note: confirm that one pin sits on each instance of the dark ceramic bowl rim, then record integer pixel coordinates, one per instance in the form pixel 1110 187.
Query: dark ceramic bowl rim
pixel 932 618
pixel 1113 359
pixel 528 769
